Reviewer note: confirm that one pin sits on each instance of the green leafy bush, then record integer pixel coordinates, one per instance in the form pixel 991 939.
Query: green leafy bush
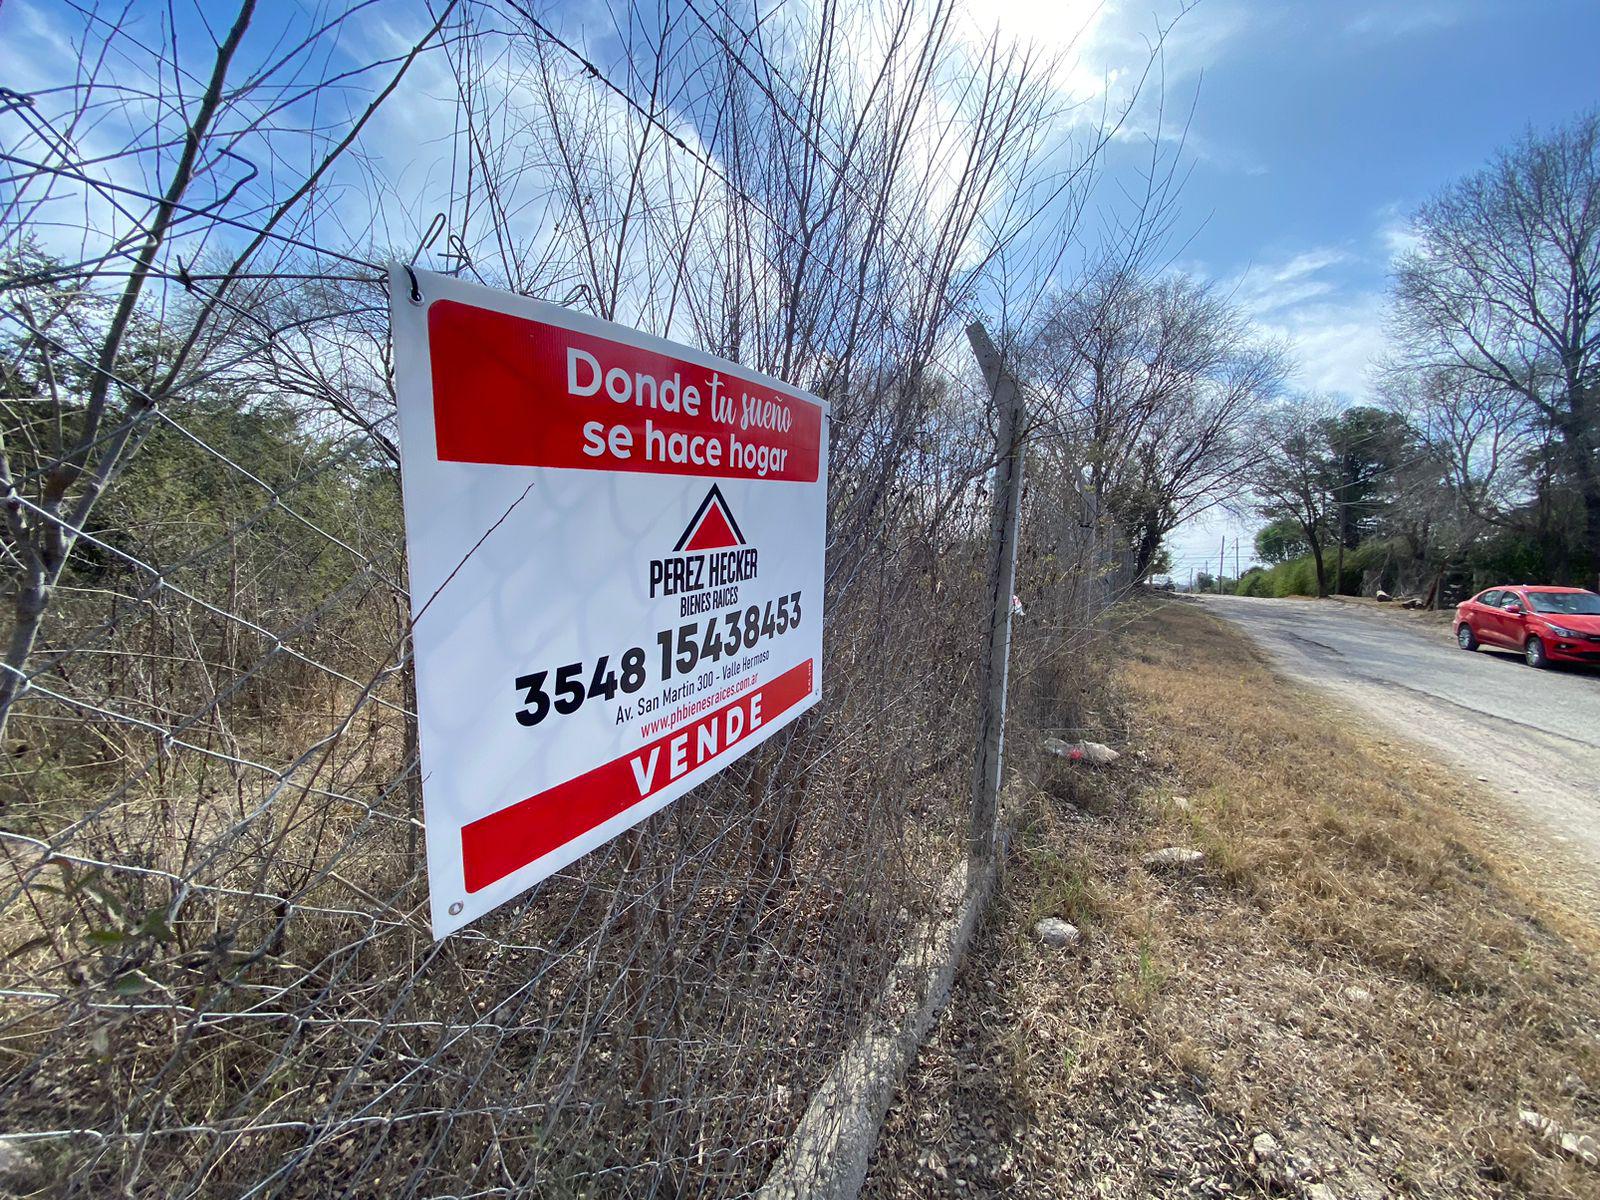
pixel 1298 576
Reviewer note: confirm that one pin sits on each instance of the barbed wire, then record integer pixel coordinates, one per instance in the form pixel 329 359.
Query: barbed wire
pixel 219 978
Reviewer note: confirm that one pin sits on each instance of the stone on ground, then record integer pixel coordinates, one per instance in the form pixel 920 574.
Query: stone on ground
pixel 1173 857
pixel 1053 931
pixel 19 1169
pixel 1537 1122
pixel 1580 1145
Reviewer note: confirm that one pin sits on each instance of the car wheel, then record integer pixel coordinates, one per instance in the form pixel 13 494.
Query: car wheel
pixel 1533 652
pixel 1465 636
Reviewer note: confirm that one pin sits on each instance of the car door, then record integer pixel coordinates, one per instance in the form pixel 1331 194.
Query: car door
pixel 1485 616
pixel 1509 623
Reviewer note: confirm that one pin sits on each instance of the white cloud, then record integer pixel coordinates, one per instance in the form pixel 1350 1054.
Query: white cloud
pixel 1333 330
pixel 1330 305
pixel 1395 232
pixel 1106 46
pixel 1402 20
pixel 1071 29
pixel 1264 291
pixel 1335 343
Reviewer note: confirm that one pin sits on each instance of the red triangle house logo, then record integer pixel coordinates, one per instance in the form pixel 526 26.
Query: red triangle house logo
pixel 711 528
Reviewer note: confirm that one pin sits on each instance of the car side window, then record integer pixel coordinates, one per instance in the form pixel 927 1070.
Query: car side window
pixel 1507 599
pixel 1491 599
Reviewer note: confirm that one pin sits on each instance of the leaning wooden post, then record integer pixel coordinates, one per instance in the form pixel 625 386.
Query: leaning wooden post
pixel 989 758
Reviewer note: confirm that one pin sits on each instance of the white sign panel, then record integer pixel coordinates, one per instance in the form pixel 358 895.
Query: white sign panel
pixel 616 558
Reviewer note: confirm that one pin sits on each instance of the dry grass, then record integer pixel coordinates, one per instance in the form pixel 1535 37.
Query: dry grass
pixel 1204 1009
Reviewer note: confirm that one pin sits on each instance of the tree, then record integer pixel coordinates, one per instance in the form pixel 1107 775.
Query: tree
pixel 126 345
pixel 1503 292
pixel 1470 449
pixel 1294 479
pixel 1365 446
pixel 1281 540
pixel 1153 385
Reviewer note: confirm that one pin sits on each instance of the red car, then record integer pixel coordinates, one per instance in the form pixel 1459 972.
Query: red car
pixel 1545 624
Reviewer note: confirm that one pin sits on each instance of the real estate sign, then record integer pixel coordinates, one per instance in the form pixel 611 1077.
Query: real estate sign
pixel 616 561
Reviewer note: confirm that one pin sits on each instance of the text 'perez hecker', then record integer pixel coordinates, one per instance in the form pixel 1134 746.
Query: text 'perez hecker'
pixel 696 572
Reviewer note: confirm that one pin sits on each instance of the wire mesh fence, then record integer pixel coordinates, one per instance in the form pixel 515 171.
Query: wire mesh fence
pixel 218 977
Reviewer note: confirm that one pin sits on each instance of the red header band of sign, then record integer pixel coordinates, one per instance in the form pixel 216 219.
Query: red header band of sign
pixel 504 392
pixel 494 846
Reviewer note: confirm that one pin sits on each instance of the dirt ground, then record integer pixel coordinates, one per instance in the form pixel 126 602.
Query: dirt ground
pixel 1421 616
pixel 1351 997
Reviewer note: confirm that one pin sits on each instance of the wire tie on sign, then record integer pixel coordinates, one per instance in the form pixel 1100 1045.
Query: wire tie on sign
pixel 416 292
pixel 431 234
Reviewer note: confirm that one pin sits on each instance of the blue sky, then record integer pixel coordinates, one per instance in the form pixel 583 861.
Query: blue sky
pixel 1319 127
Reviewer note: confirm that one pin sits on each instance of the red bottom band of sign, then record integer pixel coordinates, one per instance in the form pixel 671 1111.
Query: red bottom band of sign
pixel 494 846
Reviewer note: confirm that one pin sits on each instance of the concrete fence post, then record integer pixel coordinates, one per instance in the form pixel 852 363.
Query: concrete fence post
pixel 989 757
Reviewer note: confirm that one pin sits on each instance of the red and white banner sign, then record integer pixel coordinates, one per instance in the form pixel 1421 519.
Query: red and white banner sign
pixel 616 560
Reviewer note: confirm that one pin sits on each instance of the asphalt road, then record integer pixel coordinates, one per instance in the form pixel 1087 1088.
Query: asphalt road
pixel 1531 736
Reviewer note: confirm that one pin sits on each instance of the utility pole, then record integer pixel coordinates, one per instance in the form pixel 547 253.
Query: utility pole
pixel 1191 581
pixel 989 760
pixel 1338 571
pixel 1222 562
pixel 1236 575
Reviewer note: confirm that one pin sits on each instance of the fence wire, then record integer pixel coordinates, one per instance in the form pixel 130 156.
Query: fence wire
pixel 218 978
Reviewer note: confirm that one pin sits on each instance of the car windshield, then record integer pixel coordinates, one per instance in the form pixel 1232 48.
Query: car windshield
pixel 1574 604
